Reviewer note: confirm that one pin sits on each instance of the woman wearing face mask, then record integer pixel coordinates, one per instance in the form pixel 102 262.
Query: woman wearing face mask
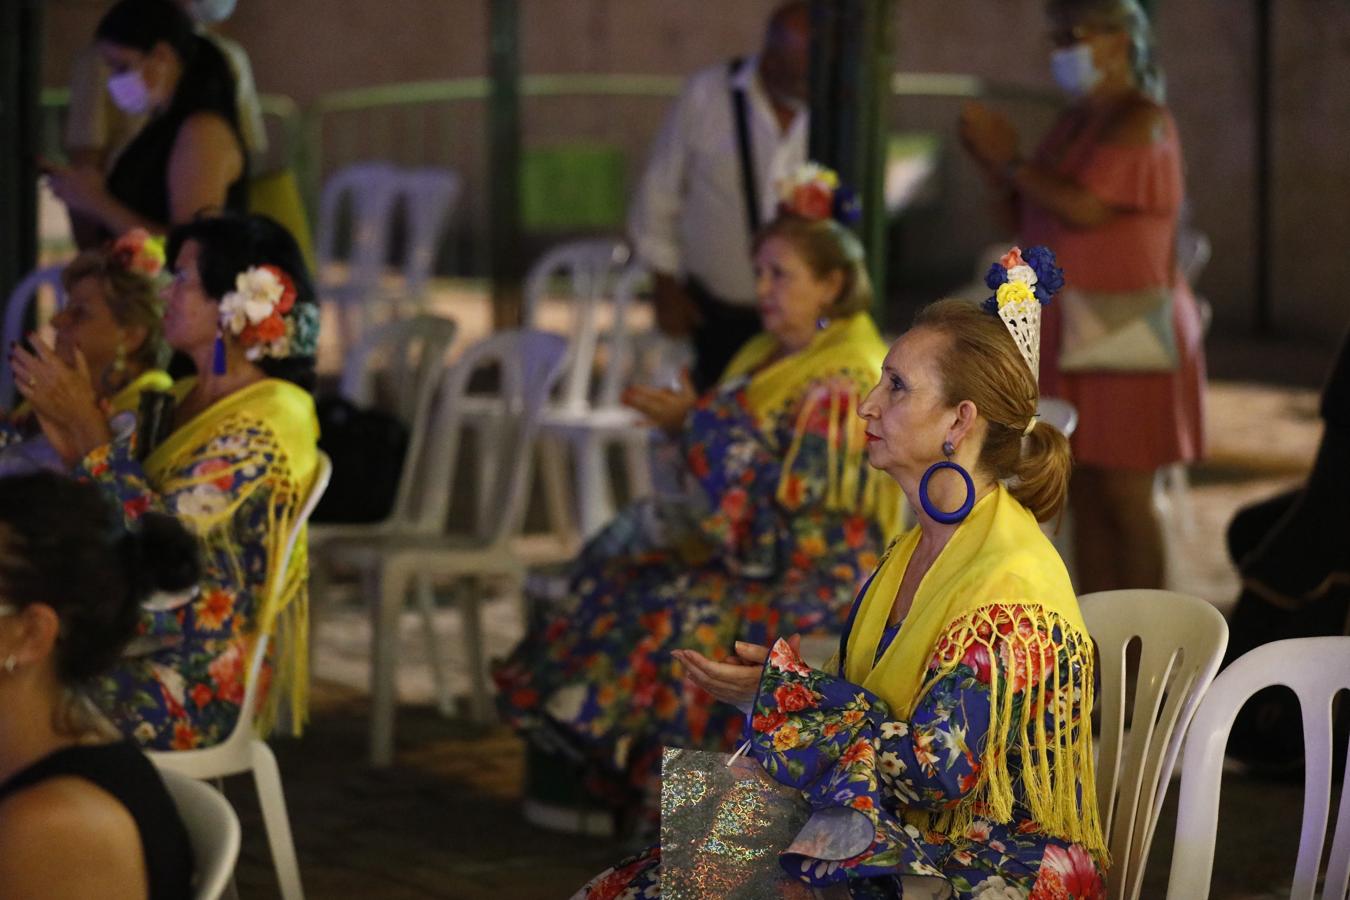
pixel 781 522
pixel 189 156
pixel 1105 188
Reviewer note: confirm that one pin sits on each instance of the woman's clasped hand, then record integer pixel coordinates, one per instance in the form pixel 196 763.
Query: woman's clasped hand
pixel 733 680
pixel 63 397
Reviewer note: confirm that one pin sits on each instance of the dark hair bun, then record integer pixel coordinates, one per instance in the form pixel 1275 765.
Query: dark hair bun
pixel 160 555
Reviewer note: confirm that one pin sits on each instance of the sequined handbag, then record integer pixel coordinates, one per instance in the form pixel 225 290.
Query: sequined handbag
pixel 722 828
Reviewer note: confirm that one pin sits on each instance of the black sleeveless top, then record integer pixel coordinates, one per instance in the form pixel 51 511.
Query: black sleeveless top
pixel 123 771
pixel 140 177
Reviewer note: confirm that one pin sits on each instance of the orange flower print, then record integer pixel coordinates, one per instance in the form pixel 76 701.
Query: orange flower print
pixel 184 736
pixel 786 738
pixel 227 671
pixel 201 695
pixel 1067 873
pixel 795 698
pixel 211 466
pixel 212 608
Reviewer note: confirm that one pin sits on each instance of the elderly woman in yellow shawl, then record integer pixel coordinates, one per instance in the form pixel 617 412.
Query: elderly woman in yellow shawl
pixel 782 522
pixel 947 749
pixel 238 458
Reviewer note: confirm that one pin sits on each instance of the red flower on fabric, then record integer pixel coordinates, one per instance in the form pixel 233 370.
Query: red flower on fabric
pixel 855 531
pixel 210 467
pixel 201 695
pixel 1067 873
pixel 134 507
pixel 859 751
pixel 734 502
pixel 795 698
pixel 227 671
pixel 184 736
pixel 977 658
pixel 766 724
pixel 698 461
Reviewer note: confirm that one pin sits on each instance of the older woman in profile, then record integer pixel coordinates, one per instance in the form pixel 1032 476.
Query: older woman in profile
pixel 112 324
pixel 954 719
pixel 1105 189
pixel 82 814
pixel 781 523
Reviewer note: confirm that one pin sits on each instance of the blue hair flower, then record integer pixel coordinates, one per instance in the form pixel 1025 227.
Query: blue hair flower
pixel 1049 277
pixel 996 276
pixel 990 306
pixel 847 206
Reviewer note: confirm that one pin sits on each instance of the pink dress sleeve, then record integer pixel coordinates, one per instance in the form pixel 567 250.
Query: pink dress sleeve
pixel 1137 178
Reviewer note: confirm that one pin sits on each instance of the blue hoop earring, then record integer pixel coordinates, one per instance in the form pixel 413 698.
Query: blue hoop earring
pixel 956 515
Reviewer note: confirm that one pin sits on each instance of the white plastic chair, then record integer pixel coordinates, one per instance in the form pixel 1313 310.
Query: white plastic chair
pixel 213 832
pixel 1060 413
pixel 587 416
pixel 429 195
pixel 412 355
pixel 419 548
pixel 243 750
pixel 369 189
pixel 24 295
pixel 1316 669
pixel 1182 640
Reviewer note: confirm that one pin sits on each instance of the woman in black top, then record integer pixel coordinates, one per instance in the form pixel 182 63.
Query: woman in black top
pixel 80 816
pixel 189 157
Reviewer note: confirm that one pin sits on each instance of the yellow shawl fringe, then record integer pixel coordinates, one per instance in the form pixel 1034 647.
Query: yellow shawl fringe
pixel 844 361
pixel 998 571
pixel 285 427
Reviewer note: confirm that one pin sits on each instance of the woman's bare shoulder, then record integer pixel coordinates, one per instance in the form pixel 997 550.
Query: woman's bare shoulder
pixel 1142 123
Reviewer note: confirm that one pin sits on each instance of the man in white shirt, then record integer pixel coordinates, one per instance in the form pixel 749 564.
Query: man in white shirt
pixel 697 206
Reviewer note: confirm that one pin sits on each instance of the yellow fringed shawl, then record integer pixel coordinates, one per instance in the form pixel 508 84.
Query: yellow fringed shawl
pixel 276 419
pixel 997 558
pixel 844 361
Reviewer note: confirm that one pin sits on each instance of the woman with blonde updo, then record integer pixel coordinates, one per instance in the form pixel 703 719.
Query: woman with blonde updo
pixel 955 717
pixel 780 524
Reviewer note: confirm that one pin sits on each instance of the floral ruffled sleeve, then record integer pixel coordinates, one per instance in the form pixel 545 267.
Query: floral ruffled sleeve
pixel 755 478
pixel 845 750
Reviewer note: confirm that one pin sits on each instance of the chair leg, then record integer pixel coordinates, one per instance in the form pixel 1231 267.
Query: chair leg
pixel 561 518
pixel 386 591
pixel 272 802
pixel 595 503
pixel 469 600
pixel 426 605
pixel 637 452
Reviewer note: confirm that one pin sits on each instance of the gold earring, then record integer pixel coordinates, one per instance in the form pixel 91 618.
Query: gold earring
pixel 120 359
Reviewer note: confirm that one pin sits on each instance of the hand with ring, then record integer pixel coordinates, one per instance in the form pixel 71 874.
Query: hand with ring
pixel 63 398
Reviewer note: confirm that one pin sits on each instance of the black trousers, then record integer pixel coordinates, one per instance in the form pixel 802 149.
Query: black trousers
pixel 725 328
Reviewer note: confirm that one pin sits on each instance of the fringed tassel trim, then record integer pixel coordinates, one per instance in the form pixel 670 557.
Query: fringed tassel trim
pixel 1057 769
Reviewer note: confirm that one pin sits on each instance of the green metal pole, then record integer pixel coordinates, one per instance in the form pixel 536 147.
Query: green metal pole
pixel 504 229
pixel 20 59
pixel 851 64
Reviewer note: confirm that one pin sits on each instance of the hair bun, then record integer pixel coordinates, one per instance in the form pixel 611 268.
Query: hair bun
pixel 160 555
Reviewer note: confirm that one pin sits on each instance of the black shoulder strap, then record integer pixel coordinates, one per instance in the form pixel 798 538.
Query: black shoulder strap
pixel 741 114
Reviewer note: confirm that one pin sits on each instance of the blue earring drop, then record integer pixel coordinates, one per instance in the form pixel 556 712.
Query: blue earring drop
pixel 958 514
pixel 218 356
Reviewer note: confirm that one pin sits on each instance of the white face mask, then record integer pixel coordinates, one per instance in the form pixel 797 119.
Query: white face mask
pixel 1074 70
pixel 129 92
pixel 209 12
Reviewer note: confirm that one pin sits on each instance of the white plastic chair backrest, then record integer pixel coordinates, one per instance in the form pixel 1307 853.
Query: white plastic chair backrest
pixel 529 364
pixel 23 296
pixel 1316 669
pixel 411 352
pixel 370 187
pixel 621 363
pixel 213 832
pixel 1181 643
pixel 1060 413
pixel 590 267
pixel 429 197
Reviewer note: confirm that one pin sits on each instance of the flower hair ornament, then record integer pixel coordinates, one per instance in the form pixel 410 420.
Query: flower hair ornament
pixel 1022 284
pixel 138 252
pixel 262 315
pixel 813 192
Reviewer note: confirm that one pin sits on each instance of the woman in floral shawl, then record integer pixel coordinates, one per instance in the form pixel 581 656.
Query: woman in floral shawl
pixel 782 523
pixel 947 747
pixel 235 468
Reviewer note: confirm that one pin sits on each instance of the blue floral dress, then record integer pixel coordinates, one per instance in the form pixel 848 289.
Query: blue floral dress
pixel 237 484
pixel 756 551
pixel 839 745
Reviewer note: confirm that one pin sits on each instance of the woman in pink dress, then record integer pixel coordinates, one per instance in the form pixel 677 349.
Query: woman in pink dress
pixel 1104 191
